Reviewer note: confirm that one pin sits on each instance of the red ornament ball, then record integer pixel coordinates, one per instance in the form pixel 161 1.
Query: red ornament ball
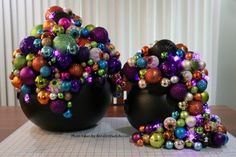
pixel 153 76
pixel 195 107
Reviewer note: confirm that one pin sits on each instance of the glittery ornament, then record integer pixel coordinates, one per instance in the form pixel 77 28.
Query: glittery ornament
pixel 153 76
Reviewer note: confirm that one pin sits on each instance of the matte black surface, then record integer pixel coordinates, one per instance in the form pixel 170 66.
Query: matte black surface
pixel 89 106
pixel 145 106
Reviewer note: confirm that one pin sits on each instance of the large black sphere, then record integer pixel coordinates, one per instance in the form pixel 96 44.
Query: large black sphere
pixel 148 106
pixel 89 106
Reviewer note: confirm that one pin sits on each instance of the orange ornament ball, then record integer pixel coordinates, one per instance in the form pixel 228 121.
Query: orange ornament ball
pixel 145 50
pixel 182 46
pixel 16 82
pixel 197 75
pixel 188 56
pixel 153 76
pixel 38 62
pixel 52 10
pixel 195 107
pixel 48 25
pixel 76 70
pixel 43 97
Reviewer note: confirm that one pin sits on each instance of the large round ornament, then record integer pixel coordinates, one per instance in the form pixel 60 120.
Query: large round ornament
pixel 157 140
pixel 62 41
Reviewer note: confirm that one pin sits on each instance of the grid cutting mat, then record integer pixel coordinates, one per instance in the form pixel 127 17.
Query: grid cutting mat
pixel 110 138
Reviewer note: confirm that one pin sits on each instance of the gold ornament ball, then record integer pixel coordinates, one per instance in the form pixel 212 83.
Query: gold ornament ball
pixel 157 140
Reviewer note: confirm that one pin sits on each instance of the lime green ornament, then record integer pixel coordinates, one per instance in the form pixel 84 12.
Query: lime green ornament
pixel 19 62
pixel 194 90
pixel 183 114
pixel 58 29
pixel 157 140
pixel 60 95
pixel 188 143
pixel 199 130
pixel 205 96
pixel 41 82
pixel 164 55
pixel 61 42
pixel 194 65
pixel 35 31
pixel 30 57
pixel 90 27
pixel 160 130
pixel 93 44
pixel 180 122
pixel 69 104
pixel 90 62
pixel 101 72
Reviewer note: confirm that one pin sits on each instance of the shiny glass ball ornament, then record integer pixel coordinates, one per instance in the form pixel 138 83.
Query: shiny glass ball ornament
pixel 179 144
pixel 184 114
pixel 64 60
pixel 169 145
pixel 189 97
pixel 99 34
pixel 205 96
pixel 27 45
pixel 131 62
pixel 142 73
pixel 52 10
pixel 27 76
pixel 45 71
pixel 180 122
pixel 169 68
pixel 38 62
pixel 146 139
pixel 36 29
pixel 180 132
pixel 41 82
pixel 190 121
pixel 199 130
pixel 84 32
pixel 187 76
pixel 43 97
pixel 90 27
pixel 188 143
pixel 76 70
pixel 186 64
pixel 153 76
pixel 175 114
pixel 169 135
pixel 169 123
pixel 149 129
pixel 95 54
pixel 67 114
pixel 157 140
pixel 182 105
pixel 195 108
pixel 73 31
pixel 197 146
pixel 58 106
pixel 114 66
pixel 141 129
pixel 165 82
pixel 194 65
pixel 152 62
pixel 102 64
pixel 60 95
pixel 48 25
pixel 182 47
pixel 64 22
pixel 178 91
pixel 19 62
pixel 130 72
pixel 141 63
pixel 142 84
pixel 47 51
pixel 202 65
pixel 194 90
pixel 25 89
pixel 46 42
pixel 180 53
pixel 164 55
pixel 58 29
pixel 202 85
pixel 140 142
pixel 65 86
pixel 37 43
pixel 61 41
pixel 136 137
pixel 174 79
pixel 72 49
pixel 30 57
pixel 53 96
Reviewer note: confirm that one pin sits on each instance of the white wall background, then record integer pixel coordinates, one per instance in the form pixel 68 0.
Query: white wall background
pixel 130 23
pixel 227 54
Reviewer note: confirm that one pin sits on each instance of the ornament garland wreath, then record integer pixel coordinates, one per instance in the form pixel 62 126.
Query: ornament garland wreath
pixel 182 76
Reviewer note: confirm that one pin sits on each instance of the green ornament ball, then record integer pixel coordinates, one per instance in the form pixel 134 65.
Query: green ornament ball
pixel 36 30
pixel 157 140
pixel 180 122
pixel 19 62
pixel 183 114
pixel 62 41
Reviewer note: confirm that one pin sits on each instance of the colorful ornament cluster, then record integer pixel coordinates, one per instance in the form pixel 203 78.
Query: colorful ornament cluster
pixel 183 73
pixel 60 56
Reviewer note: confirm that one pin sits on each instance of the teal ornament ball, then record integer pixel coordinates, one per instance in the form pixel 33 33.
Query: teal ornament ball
pixel 65 86
pixel 180 132
pixel 45 71
pixel 202 85
pixel 197 146
pixel 47 51
pixel 62 41
pixel 169 145
pixel 141 63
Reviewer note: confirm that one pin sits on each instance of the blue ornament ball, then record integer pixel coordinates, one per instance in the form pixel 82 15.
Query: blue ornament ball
pixel 180 53
pixel 141 63
pixel 25 89
pixel 45 71
pixel 67 114
pixel 197 146
pixel 84 32
pixel 65 86
pixel 202 85
pixel 169 145
pixel 180 132
pixel 47 51
pixel 102 64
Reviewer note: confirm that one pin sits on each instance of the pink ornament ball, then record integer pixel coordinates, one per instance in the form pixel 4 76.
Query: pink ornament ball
pixel 27 75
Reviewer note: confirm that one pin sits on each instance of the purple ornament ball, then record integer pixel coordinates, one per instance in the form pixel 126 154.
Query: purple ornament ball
pixel 169 68
pixel 75 85
pixel 27 45
pixel 64 60
pixel 130 72
pixel 178 91
pixel 58 106
pixel 218 139
pixel 99 34
pixel 27 75
pixel 114 66
pixel 83 54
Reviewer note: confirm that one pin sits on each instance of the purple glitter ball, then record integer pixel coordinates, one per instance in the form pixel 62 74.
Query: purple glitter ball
pixel 64 60
pixel 218 139
pixel 83 54
pixel 27 45
pixel 58 106
pixel 130 72
pixel 178 91
pixel 27 76
pixel 99 34
pixel 149 129
pixel 114 66
pixel 75 85
pixel 169 68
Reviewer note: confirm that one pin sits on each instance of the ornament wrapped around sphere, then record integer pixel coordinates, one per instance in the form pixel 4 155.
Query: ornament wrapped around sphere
pixel 167 100
pixel 65 72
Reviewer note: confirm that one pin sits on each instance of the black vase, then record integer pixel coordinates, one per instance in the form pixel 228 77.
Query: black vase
pixel 89 106
pixel 149 105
